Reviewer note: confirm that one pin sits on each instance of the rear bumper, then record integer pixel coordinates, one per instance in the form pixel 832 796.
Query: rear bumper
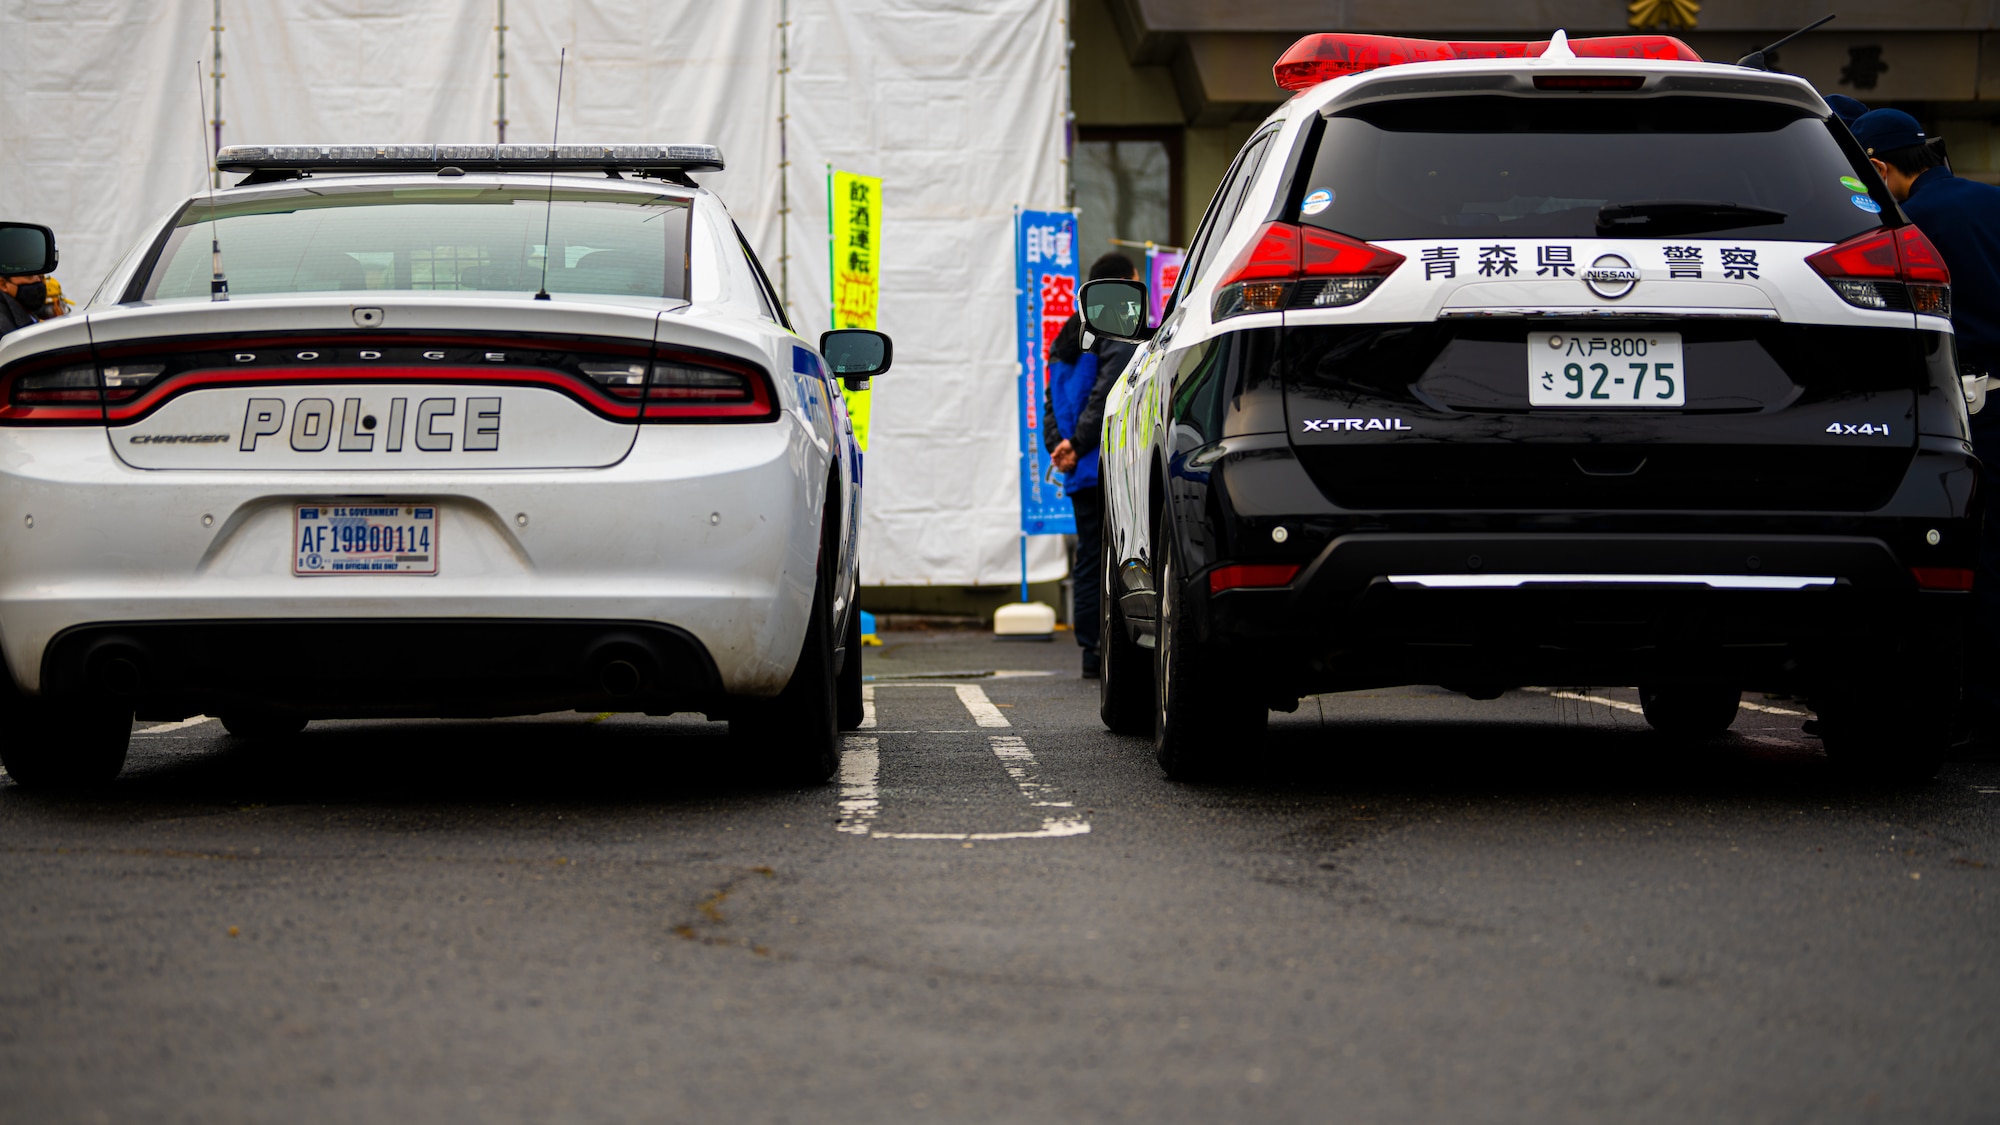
pixel 397 666
pixel 1766 612
pixel 710 532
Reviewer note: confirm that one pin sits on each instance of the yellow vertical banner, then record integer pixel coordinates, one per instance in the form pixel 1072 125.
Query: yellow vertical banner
pixel 854 214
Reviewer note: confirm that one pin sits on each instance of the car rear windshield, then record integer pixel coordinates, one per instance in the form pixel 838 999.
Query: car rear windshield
pixel 483 239
pixel 1545 166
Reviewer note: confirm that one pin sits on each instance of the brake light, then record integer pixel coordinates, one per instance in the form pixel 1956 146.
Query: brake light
pixel 1251 575
pixel 1589 81
pixel 60 388
pixel 1318 58
pixel 679 388
pixel 1290 266
pixel 1942 577
pixel 1894 269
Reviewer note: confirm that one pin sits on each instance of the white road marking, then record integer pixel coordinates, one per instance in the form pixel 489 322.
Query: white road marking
pixel 1988 790
pixel 1762 708
pixel 1614 704
pixel 861 766
pixel 982 709
pixel 867 707
pixel 1767 709
pixel 168 728
pixel 1020 764
pixel 860 761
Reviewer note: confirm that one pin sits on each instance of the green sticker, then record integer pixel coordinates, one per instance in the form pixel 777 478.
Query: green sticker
pixel 1852 184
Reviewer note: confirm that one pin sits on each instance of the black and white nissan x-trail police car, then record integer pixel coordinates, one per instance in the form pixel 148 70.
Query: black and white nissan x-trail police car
pixel 1566 362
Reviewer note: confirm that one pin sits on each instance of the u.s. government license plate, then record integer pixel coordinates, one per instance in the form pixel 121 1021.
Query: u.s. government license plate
pixel 365 539
pixel 1604 370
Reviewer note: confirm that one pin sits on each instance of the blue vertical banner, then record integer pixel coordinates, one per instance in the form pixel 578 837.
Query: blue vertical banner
pixel 1046 277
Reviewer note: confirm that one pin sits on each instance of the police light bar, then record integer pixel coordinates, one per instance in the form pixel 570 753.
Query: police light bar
pixel 469 158
pixel 1319 58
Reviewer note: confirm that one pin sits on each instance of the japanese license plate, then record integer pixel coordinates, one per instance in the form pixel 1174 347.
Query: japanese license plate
pixel 365 539
pixel 1606 370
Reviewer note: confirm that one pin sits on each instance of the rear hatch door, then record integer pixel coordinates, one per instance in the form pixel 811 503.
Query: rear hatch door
pixel 1531 352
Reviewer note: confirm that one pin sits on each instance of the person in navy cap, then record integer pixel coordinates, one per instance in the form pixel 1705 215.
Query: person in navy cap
pixel 1845 108
pixel 1962 219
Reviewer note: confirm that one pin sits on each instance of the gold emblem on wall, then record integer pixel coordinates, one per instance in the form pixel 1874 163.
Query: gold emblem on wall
pixel 1663 15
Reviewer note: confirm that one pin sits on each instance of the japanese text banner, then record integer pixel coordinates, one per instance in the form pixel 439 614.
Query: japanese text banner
pixel 1045 264
pixel 854 210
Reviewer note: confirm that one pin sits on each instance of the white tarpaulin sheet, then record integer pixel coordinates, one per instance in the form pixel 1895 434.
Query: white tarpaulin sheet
pixel 958 107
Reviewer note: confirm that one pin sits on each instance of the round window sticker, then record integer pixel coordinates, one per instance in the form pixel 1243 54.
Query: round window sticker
pixel 1318 201
pixel 1852 184
pixel 1866 204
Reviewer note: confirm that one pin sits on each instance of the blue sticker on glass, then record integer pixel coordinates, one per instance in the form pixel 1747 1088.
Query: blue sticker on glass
pixel 1318 201
pixel 1866 204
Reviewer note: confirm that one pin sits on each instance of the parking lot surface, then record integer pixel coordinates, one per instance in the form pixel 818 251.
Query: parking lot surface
pixel 1412 907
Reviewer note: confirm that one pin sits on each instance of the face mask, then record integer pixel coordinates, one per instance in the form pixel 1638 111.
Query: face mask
pixel 33 295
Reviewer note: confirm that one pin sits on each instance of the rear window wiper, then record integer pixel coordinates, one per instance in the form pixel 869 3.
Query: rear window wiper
pixel 1650 217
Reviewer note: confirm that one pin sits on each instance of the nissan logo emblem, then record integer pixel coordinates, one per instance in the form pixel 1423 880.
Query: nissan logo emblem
pixel 1610 277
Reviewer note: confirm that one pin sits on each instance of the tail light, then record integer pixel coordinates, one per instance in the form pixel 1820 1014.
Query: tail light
pixel 1251 575
pixel 58 388
pixel 679 387
pixel 1290 266
pixel 1942 577
pixel 67 388
pixel 1895 269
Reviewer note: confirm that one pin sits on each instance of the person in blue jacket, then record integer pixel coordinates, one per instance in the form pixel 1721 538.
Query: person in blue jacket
pixel 1072 423
pixel 1962 219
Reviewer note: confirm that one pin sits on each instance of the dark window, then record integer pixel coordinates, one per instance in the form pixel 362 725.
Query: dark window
pixel 1221 212
pixel 1470 167
pixel 1127 188
pixel 326 238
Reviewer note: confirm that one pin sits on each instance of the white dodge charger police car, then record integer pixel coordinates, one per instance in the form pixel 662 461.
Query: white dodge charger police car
pixel 1511 363
pixel 451 430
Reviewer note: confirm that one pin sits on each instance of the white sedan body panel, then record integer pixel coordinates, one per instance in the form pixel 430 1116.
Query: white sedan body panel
pixel 546 509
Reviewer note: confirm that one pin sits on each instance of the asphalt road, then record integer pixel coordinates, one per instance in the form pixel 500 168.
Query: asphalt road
pixel 1417 908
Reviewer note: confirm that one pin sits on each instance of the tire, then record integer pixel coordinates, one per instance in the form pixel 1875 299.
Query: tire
pixel 261 724
pixel 1884 736
pixel 848 690
pixel 70 752
pixel 1204 723
pixel 1690 710
pixel 796 736
pixel 1125 677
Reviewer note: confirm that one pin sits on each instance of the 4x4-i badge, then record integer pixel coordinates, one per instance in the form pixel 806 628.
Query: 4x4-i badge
pixel 1610 277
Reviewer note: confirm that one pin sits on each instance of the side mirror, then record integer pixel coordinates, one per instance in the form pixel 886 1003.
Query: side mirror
pixel 1116 308
pixel 856 355
pixel 1974 383
pixel 26 248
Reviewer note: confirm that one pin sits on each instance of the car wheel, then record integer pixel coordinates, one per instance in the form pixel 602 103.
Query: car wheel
pixel 73 751
pixel 1204 724
pixel 1689 710
pixel 1885 736
pixel 796 735
pixel 849 690
pixel 1125 677
pixel 261 724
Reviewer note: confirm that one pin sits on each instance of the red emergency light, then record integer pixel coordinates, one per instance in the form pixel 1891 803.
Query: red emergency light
pixel 1318 58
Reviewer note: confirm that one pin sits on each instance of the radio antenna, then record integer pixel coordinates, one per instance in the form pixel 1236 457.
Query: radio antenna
pixel 218 284
pixel 548 210
pixel 1755 59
